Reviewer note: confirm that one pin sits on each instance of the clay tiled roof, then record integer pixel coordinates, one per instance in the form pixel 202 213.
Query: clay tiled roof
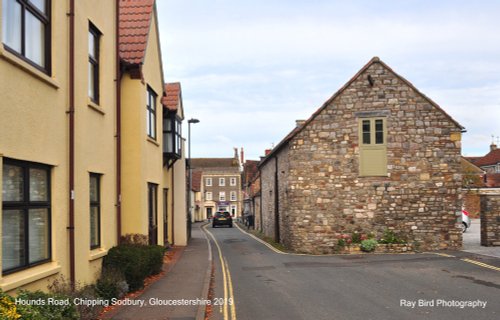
pixel 196 181
pixel 492 158
pixel 135 22
pixel 173 96
pixel 250 171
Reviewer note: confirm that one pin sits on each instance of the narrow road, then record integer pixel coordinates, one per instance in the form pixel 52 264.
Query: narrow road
pixel 259 283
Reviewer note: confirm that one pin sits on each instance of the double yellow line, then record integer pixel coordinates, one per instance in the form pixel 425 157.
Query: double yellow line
pixel 477 263
pixel 481 264
pixel 227 282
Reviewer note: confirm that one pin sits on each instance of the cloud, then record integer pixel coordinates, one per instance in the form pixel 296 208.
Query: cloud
pixel 250 68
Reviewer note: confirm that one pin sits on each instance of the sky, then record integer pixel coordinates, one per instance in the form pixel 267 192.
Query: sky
pixel 250 68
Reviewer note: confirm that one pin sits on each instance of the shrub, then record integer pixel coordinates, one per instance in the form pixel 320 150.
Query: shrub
pixel 135 262
pixel 390 237
pixel 356 237
pixel 368 245
pixel 62 286
pixel 53 306
pixel 8 308
pixel 134 239
pixel 111 284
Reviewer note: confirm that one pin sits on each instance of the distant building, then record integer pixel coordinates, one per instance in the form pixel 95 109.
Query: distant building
pixel 220 185
pixel 490 163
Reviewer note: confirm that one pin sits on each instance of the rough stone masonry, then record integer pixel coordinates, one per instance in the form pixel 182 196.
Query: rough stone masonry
pixel 311 182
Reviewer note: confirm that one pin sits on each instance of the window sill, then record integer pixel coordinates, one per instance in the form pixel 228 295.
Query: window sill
pixel 23 65
pixel 92 105
pixel 30 275
pixel 153 141
pixel 97 254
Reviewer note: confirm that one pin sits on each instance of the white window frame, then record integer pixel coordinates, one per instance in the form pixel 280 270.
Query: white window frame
pixel 222 182
pixel 208 182
pixel 222 196
pixel 233 181
pixel 233 196
pixel 208 196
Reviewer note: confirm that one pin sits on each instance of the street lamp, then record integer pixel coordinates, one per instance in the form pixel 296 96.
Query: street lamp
pixel 190 181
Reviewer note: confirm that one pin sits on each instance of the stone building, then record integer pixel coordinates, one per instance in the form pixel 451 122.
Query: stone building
pixel 220 185
pixel 251 190
pixel 377 155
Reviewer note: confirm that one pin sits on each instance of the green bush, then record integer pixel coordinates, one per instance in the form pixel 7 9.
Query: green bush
pixel 368 245
pixel 390 237
pixel 8 308
pixel 49 306
pixel 62 286
pixel 135 262
pixel 111 284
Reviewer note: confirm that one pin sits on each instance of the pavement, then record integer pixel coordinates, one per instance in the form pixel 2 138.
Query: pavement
pixel 180 293
pixel 472 241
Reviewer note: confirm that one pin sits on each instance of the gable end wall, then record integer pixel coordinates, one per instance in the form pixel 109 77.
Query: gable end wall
pixel 419 199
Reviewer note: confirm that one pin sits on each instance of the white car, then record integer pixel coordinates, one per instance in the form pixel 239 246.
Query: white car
pixel 465 220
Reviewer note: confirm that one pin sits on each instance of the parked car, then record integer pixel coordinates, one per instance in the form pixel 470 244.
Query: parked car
pixel 222 219
pixel 465 220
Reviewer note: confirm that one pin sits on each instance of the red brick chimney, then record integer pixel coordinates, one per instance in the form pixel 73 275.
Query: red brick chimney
pixel 242 155
pixel 267 152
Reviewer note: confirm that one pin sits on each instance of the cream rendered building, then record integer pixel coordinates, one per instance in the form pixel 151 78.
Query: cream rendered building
pixel 80 165
pixel 57 137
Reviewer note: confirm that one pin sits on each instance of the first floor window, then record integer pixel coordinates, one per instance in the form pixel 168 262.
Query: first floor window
pixel 208 182
pixel 372 147
pixel 208 196
pixel 94 37
pixel 25 214
pixel 95 211
pixel 222 182
pixel 26 30
pixel 222 196
pixel 151 113
pixel 233 196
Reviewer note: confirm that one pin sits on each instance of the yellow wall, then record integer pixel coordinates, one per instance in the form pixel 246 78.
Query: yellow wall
pixel 142 156
pixel 34 127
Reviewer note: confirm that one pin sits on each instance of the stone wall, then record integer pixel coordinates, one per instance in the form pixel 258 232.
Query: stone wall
pixel 268 196
pixel 490 220
pixel 419 199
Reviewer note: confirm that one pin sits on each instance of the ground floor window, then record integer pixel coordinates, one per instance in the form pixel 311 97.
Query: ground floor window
pixel 95 210
pixel 25 214
pixel 153 213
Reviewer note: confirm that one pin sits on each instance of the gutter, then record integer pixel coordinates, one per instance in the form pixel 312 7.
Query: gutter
pixel 71 112
pixel 118 129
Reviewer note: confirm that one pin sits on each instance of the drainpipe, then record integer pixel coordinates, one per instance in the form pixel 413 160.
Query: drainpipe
pixel 173 207
pixel 118 129
pixel 71 113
